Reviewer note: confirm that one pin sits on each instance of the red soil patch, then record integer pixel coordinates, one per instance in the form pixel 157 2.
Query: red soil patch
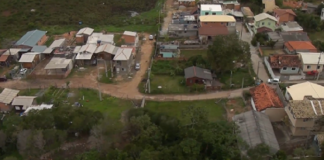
pixel 6 13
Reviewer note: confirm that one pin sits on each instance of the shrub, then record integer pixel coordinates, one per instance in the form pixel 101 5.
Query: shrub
pixel 197 88
pixel 247 95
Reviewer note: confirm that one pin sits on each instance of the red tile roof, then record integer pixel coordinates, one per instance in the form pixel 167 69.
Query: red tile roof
pixel 284 60
pixel 293 4
pixel 280 12
pixel 300 45
pixel 264 29
pixel 265 97
pixel 213 31
pixel 3 58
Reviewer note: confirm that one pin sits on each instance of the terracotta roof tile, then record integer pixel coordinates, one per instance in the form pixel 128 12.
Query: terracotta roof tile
pixel 213 31
pixel 3 58
pixel 300 45
pixel 265 97
pixel 292 4
pixel 279 61
pixel 280 12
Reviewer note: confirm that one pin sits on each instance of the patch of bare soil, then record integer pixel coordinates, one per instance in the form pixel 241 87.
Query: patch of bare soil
pixel 69 36
pixel 235 106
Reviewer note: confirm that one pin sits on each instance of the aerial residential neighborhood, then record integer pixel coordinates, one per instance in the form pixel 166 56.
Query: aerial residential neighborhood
pixel 162 79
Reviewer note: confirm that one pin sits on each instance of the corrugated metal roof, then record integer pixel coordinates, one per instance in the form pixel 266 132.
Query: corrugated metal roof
pixel 7 95
pixel 58 63
pixel 57 43
pixel 31 38
pixel 23 100
pixel 255 128
pixel 108 48
pixel 104 38
pixel 26 58
pixel 130 33
pixel 211 7
pixel 90 48
pixel 262 16
pixel 84 56
pixel 77 49
pixel 39 49
pixel 13 51
pixel 86 31
pixel 198 72
pixel 217 18
pixel 123 54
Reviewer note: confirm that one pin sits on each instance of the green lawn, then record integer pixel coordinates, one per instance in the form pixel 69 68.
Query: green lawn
pixel 267 52
pixel 215 110
pixel 237 78
pixel 190 53
pixel 104 79
pixel 169 84
pixel 29 92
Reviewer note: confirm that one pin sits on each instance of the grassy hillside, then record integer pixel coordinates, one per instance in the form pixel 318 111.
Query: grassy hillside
pixel 16 16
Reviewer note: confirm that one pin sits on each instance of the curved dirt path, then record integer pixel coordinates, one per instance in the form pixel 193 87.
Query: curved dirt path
pixel 125 90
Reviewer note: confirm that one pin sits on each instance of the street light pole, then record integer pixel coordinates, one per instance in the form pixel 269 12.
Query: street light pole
pixel 319 59
pixel 258 70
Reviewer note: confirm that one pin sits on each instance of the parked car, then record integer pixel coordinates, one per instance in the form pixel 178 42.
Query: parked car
pixel 3 78
pixel 23 71
pixel 311 73
pixel 274 81
pixel 137 66
pixel 151 37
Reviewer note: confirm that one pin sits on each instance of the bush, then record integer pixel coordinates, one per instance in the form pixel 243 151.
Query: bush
pixel 247 95
pixel 197 88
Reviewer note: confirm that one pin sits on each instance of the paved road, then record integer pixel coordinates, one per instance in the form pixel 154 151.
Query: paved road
pixel 256 60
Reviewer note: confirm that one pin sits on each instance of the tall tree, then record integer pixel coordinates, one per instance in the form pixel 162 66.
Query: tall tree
pixel 226 50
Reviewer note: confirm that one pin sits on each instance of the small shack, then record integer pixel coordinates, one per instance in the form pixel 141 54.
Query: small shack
pixel 29 60
pixel 6 97
pixel 21 103
pixel 197 75
pixel 59 66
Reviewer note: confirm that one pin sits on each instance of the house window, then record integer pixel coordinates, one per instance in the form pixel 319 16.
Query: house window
pixel 269 24
pixel 308 67
pixel 318 67
pixel 284 68
pixel 262 23
pixel 293 69
pixel 214 13
pixel 206 13
pixel 17 107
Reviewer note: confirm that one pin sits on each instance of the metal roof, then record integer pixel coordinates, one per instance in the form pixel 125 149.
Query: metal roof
pixel 39 49
pixel 255 128
pixel 77 49
pixel 31 38
pixel 23 100
pixel 291 26
pixel 123 54
pixel 86 31
pixel 104 38
pixel 26 58
pixel 58 63
pixel 211 7
pixel 13 51
pixel 129 33
pixel 55 44
pixel 84 56
pixel 198 72
pixel 108 48
pixel 7 95
pixel 90 48
pixel 217 18
pixel 263 16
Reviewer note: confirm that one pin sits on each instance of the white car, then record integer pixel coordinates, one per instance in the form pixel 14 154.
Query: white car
pixel 137 66
pixel 23 71
pixel 151 37
pixel 274 81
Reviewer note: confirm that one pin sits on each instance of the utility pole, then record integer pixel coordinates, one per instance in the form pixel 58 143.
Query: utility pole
pixel 231 80
pixel 111 68
pixel 243 82
pixel 149 86
pixel 258 70
pixel 99 92
pixel 319 59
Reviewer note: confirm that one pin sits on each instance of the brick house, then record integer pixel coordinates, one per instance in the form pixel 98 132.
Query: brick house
pixel 284 15
pixel 292 47
pixel 285 64
pixel 130 38
pixel 197 75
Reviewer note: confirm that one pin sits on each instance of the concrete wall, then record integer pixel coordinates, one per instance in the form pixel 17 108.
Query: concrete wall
pixel 275 114
pixel 183 33
pixel 253 104
pixel 289 70
pixel 266 62
pixel 265 23
pixel 311 67
pixel 210 13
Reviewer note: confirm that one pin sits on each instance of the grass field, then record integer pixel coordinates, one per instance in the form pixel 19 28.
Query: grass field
pixel 316 36
pixel 215 110
pixel 237 78
pixel 190 53
pixel 169 84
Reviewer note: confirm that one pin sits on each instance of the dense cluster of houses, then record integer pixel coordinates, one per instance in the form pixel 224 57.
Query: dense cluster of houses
pixel 11 100
pixel 61 57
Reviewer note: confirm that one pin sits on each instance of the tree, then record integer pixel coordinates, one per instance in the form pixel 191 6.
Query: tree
pixel 225 50
pixel 30 143
pixel 259 152
pixel 10 158
pixel 319 9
